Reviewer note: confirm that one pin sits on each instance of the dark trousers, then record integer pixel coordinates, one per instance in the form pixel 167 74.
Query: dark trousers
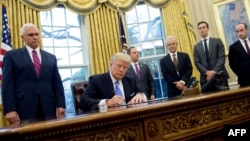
pixel 39 112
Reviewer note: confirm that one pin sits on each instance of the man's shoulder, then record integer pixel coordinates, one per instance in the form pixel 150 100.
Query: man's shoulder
pixel 234 44
pixel 164 57
pixel 182 53
pixel 128 78
pixel 15 51
pixel 99 77
pixel 47 53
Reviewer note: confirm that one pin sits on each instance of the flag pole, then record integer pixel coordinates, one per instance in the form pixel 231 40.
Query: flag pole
pixel 120 23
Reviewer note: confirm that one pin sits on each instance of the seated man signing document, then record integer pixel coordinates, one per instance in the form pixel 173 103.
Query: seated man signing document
pixel 112 88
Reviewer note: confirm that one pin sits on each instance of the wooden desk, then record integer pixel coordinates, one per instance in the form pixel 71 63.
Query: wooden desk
pixel 195 117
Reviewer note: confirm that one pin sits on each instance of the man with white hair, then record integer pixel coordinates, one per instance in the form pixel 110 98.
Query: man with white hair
pixel 31 86
pixel 112 88
pixel 176 68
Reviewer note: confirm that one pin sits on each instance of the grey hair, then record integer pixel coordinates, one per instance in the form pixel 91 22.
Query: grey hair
pixel 120 56
pixel 25 26
pixel 171 38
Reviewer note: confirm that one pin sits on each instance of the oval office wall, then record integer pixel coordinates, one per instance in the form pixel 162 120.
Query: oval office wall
pixel 197 11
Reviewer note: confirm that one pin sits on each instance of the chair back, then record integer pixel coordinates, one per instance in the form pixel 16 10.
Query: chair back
pixel 78 89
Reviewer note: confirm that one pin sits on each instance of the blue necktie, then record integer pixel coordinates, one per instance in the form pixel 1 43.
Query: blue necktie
pixel 117 89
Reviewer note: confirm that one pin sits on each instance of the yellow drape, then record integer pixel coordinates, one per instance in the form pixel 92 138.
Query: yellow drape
pixel 19 14
pixel 177 23
pixel 104 38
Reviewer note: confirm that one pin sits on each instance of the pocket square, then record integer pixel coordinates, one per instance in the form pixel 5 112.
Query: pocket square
pixel 132 94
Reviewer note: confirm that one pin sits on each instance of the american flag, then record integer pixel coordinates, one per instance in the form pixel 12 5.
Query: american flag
pixel 6 39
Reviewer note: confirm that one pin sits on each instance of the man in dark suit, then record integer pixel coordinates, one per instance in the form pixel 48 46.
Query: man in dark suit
pixel 239 55
pixel 176 68
pixel 112 88
pixel 211 62
pixel 142 74
pixel 28 93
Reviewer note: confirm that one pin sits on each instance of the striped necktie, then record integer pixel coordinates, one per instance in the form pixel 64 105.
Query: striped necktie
pixel 36 63
pixel 137 71
pixel 117 89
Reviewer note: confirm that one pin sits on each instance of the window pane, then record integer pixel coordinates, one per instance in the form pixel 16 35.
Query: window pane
pixel 131 17
pixel 74 36
pixel 62 37
pixel 62 56
pixel 148 49
pixel 58 15
pixel 46 18
pixel 142 13
pixel 72 19
pixel 146 34
pixel 133 31
pixel 159 47
pixel 76 56
pixel 49 49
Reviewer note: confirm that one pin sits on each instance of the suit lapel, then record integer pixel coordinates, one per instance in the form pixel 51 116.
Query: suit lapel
pixel 126 87
pixel 44 62
pixel 202 51
pixel 110 86
pixel 26 57
pixel 242 49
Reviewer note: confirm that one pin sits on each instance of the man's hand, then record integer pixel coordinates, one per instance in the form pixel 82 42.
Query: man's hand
pixel 12 117
pixel 116 100
pixel 152 97
pixel 210 74
pixel 179 85
pixel 60 113
pixel 139 97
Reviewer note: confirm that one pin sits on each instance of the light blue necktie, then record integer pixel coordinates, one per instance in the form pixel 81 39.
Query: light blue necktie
pixel 117 89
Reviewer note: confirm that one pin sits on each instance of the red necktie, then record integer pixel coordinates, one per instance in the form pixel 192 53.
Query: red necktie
pixel 248 50
pixel 36 63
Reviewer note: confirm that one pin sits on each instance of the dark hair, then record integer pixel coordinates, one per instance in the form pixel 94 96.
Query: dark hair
pixel 243 24
pixel 201 22
pixel 129 49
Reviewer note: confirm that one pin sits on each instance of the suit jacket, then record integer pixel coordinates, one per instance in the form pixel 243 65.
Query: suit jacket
pixel 170 74
pixel 146 81
pixel 239 62
pixel 20 86
pixel 101 87
pixel 216 55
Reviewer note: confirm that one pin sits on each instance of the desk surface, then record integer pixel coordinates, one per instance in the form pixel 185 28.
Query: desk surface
pixel 179 117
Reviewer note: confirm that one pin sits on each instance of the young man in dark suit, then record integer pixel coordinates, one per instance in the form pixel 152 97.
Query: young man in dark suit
pixel 112 88
pixel 209 56
pixel 239 55
pixel 142 74
pixel 31 86
pixel 176 68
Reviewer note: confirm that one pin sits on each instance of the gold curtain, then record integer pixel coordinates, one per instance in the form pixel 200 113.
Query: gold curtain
pixel 177 23
pixel 19 14
pixel 157 3
pixel 104 38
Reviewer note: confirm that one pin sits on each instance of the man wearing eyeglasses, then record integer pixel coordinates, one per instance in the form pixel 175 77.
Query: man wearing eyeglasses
pixel 176 68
